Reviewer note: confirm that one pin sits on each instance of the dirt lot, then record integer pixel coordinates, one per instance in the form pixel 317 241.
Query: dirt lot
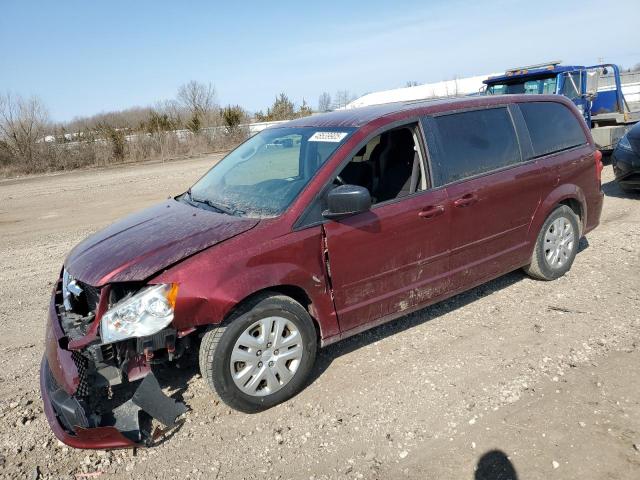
pixel 546 373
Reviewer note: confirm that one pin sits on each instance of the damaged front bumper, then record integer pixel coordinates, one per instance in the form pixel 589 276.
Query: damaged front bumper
pixel 78 437
pixel 85 412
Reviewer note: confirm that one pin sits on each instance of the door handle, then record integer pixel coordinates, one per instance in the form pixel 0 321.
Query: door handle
pixel 466 200
pixel 431 211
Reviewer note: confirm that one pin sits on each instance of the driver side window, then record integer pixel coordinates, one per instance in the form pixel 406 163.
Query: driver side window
pixel 389 166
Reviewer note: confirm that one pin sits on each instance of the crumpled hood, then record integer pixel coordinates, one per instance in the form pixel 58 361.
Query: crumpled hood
pixel 136 247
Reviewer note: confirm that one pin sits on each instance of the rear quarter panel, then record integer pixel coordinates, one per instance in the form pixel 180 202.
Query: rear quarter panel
pixel 571 176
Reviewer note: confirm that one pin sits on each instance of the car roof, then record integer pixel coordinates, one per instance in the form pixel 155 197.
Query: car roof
pixel 358 117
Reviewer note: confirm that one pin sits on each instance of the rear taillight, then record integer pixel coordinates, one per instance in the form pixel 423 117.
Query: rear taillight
pixel 599 166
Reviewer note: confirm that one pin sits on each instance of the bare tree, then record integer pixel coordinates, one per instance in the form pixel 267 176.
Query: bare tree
pixel 324 102
pixel 173 110
pixel 200 100
pixel 129 119
pixel 22 126
pixel 342 98
pixel 411 83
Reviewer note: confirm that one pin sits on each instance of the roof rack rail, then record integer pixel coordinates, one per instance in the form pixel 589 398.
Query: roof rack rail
pixel 551 64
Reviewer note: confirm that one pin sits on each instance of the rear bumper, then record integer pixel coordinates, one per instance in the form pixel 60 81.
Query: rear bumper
pixel 594 212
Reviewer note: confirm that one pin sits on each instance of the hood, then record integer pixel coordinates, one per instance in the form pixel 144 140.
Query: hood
pixel 138 246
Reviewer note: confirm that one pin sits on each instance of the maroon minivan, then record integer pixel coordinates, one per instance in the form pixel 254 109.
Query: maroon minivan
pixel 305 234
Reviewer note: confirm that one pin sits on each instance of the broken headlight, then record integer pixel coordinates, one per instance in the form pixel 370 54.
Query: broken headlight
pixel 69 287
pixel 145 313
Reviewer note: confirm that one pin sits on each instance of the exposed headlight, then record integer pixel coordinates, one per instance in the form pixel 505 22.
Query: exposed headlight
pixel 624 143
pixel 70 289
pixel 145 313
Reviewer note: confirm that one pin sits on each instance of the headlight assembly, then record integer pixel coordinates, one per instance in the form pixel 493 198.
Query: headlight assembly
pixel 145 313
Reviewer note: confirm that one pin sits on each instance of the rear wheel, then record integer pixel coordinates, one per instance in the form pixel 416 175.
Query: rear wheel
pixel 262 356
pixel 556 245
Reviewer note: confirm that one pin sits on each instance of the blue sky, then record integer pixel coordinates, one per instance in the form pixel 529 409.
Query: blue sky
pixel 84 57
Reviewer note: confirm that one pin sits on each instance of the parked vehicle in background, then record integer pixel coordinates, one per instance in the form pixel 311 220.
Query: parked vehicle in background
pixel 353 219
pixel 602 104
pixel 626 160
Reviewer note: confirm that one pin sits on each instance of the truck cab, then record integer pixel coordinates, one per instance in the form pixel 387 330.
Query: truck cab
pixel 596 91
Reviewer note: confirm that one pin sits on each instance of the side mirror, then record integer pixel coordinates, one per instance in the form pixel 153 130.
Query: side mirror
pixel 347 200
pixel 593 80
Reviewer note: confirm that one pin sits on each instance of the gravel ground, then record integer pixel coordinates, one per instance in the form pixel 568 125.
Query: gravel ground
pixel 538 378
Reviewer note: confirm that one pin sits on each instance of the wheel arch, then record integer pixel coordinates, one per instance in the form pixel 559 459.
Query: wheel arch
pixel 567 194
pixel 295 292
pixel 577 207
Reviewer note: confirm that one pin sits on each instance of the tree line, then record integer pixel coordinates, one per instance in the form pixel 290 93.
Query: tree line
pixel 192 123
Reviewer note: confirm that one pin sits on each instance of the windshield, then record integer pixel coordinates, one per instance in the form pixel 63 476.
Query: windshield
pixel 264 175
pixel 528 87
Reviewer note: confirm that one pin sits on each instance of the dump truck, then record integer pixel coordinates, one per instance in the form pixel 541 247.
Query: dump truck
pixel 595 90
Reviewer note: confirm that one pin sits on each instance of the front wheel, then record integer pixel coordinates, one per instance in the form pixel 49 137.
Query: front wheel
pixel 556 245
pixel 262 356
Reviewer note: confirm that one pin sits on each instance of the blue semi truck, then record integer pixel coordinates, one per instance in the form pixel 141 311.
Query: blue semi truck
pixel 596 91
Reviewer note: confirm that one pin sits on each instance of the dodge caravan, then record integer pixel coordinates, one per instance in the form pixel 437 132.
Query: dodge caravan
pixel 306 234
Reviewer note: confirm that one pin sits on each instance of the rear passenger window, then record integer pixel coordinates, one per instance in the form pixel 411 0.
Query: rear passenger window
pixel 552 127
pixel 474 142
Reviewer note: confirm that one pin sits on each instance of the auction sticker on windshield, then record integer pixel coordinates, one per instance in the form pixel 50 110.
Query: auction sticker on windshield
pixel 328 136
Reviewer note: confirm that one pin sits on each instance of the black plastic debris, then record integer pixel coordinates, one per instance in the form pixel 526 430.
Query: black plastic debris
pixel 150 398
pixel 127 420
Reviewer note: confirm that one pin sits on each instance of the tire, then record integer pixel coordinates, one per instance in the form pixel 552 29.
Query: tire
pixel 552 256
pixel 272 375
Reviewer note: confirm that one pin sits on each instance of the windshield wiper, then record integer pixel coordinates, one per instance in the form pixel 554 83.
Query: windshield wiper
pixel 215 205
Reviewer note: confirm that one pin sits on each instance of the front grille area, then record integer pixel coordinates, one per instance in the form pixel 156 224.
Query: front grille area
pixel 82 364
pixel 66 407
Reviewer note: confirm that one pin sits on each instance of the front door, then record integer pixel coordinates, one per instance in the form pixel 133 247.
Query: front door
pixel 395 256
